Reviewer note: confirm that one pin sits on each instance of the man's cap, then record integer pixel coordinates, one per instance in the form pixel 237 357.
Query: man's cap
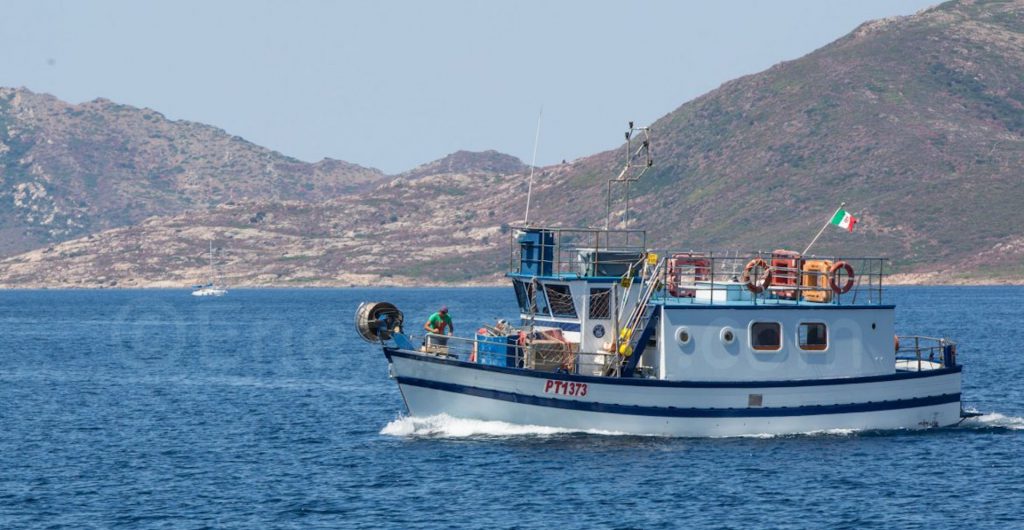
pixel 444 309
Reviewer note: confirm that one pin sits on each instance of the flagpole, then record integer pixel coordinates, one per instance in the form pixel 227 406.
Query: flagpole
pixel 804 253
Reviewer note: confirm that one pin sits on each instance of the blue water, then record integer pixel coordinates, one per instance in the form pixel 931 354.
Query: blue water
pixel 262 409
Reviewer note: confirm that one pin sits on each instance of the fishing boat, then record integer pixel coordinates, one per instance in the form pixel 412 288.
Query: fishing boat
pixel 616 336
pixel 215 286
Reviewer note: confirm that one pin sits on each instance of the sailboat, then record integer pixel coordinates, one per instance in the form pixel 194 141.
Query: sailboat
pixel 211 288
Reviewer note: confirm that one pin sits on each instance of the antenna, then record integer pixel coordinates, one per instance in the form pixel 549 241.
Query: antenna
pixel 632 159
pixel 533 165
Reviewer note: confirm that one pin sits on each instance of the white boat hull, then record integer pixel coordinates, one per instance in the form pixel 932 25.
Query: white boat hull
pixel 905 400
pixel 209 292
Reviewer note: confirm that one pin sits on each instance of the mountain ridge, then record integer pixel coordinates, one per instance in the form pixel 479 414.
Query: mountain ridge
pixel 916 122
pixel 890 118
pixel 71 169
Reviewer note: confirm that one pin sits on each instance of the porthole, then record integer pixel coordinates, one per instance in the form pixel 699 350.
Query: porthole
pixel 873 326
pixel 727 335
pixel 683 335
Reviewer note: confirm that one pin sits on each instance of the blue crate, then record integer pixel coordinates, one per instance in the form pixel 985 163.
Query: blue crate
pixel 496 351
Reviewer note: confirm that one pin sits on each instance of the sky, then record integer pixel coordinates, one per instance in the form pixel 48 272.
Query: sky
pixel 394 84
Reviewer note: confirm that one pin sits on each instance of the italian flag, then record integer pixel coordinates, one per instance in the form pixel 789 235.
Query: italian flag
pixel 843 219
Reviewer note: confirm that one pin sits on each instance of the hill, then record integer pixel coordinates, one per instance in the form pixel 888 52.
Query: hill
pixel 916 122
pixel 69 170
pixel 415 230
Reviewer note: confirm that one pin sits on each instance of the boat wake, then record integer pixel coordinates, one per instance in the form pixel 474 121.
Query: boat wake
pixel 445 426
pixel 823 432
pixel 993 421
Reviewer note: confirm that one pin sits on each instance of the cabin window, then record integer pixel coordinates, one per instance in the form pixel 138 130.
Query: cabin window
pixel 766 336
pixel 561 301
pixel 600 303
pixel 521 296
pixel 812 336
pixel 535 292
pixel 531 300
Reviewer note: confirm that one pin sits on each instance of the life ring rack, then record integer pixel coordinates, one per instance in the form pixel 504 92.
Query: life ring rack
pixel 833 277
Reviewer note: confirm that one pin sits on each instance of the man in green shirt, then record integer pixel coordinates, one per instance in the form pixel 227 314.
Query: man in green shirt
pixel 436 324
pixel 439 321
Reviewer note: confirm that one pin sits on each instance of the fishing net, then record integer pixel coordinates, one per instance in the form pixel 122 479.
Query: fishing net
pixel 600 303
pixel 560 300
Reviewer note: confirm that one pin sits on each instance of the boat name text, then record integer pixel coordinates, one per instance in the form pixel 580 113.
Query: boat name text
pixel 567 388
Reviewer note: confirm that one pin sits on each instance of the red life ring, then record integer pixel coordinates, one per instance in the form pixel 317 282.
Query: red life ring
pixel 754 284
pixel 833 276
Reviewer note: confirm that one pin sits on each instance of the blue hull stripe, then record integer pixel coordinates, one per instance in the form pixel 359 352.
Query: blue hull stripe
pixel 770 305
pixel 632 381
pixel 674 412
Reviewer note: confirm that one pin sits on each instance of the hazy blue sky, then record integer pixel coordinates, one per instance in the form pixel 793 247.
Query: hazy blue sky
pixel 393 84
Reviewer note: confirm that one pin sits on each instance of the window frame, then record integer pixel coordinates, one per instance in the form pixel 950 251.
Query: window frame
pixel 799 342
pixel 568 292
pixel 750 336
pixel 522 296
pixel 540 298
pixel 608 306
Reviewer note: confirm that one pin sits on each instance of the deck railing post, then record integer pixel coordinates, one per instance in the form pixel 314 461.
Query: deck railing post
pixel 917 349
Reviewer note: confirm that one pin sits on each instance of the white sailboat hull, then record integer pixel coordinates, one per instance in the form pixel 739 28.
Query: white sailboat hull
pixel 904 400
pixel 209 291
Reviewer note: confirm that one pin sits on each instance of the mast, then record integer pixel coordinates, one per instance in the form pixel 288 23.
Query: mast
pixel 213 268
pixel 633 160
pixel 533 166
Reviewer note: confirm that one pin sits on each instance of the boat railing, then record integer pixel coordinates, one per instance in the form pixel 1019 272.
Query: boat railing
pixel 770 278
pixel 579 251
pixel 920 353
pixel 914 353
pixel 508 351
pixel 778 276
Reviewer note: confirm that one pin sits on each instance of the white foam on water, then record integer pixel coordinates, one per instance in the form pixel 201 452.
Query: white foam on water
pixel 445 426
pixel 760 435
pixel 993 420
pixel 823 432
pixel 839 432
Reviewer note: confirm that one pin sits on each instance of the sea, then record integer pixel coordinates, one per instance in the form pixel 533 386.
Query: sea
pixel 264 409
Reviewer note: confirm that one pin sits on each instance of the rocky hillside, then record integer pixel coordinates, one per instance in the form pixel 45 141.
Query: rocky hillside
pixel 468 163
pixel 916 122
pixel 414 230
pixel 70 170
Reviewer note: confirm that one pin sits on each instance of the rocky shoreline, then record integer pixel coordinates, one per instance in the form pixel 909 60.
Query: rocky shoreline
pixel 363 281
